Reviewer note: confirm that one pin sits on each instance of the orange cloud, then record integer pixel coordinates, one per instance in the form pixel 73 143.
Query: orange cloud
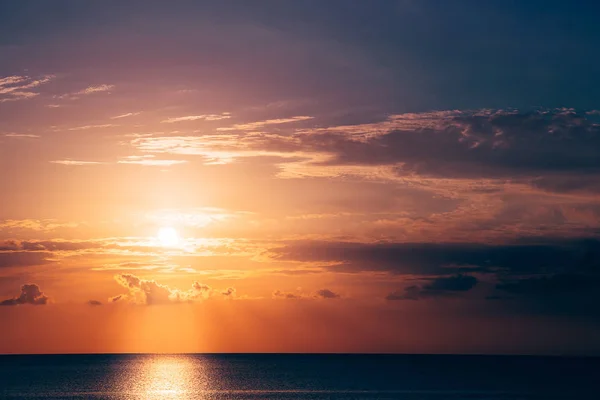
pixel 149 292
pixel 30 294
pixel 204 117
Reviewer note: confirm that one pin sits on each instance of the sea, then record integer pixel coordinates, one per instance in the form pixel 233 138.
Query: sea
pixel 297 376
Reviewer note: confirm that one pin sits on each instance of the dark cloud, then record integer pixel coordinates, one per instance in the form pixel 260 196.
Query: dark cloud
pixel 437 287
pixel 23 258
pixel 229 292
pixel 524 256
pixel 94 303
pixel 279 294
pixel 458 283
pixel 327 294
pixel 546 146
pixel 566 294
pixel 559 284
pixel 9 245
pixel 581 182
pixel 501 144
pixel 30 294
pixel 114 299
pixel 409 293
pixel 496 297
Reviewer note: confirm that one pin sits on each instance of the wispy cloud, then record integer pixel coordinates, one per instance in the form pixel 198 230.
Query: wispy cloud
pixel 103 88
pixel 205 117
pixel 250 126
pixel 14 88
pixel 444 286
pixel 135 246
pixel 152 162
pixel 96 89
pixel 12 80
pixel 75 162
pixel 15 96
pixel 21 135
pixel 36 224
pixel 130 114
pixel 85 127
pixel 194 217
pixel 155 266
pixel 216 149
pixel 300 295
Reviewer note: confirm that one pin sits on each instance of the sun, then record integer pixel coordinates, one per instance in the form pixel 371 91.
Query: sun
pixel 168 237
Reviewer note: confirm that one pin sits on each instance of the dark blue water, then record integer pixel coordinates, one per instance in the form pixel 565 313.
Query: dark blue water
pixel 297 377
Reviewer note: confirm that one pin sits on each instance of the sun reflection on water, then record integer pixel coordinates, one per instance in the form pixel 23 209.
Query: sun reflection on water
pixel 166 377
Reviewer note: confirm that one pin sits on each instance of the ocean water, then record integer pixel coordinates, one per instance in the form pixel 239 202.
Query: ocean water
pixel 280 376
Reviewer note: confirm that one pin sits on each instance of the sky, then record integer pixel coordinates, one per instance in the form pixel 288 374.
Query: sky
pixel 300 176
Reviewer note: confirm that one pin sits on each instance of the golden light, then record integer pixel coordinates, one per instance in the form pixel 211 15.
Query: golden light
pixel 168 237
pixel 162 377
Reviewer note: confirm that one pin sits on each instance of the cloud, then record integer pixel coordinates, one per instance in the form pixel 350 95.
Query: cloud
pixel 204 117
pixel 96 89
pixel 131 114
pixel 149 292
pixel 49 245
pixel 216 149
pixel 297 271
pixel 438 287
pixel 128 246
pixel 455 145
pixel 229 292
pixel 250 126
pixel 299 294
pixel 75 162
pixel 327 294
pixel 10 257
pixel 202 288
pixel 14 88
pixel 457 283
pixel 86 127
pixel 30 294
pixel 103 88
pixel 279 294
pixel 568 183
pixel 94 303
pixel 153 162
pixel 12 80
pixel 194 217
pixel 478 144
pixel 44 225
pixel 522 256
pixel 115 299
pixel 16 96
pixel 559 284
pixel 157 266
pixel 21 135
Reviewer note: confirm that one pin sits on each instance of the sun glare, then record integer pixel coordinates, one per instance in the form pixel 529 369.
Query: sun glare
pixel 168 237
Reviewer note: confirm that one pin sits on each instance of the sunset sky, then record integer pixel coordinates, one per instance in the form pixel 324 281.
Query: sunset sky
pixel 300 176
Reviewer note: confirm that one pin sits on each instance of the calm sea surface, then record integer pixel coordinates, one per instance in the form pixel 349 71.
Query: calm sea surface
pixel 297 377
